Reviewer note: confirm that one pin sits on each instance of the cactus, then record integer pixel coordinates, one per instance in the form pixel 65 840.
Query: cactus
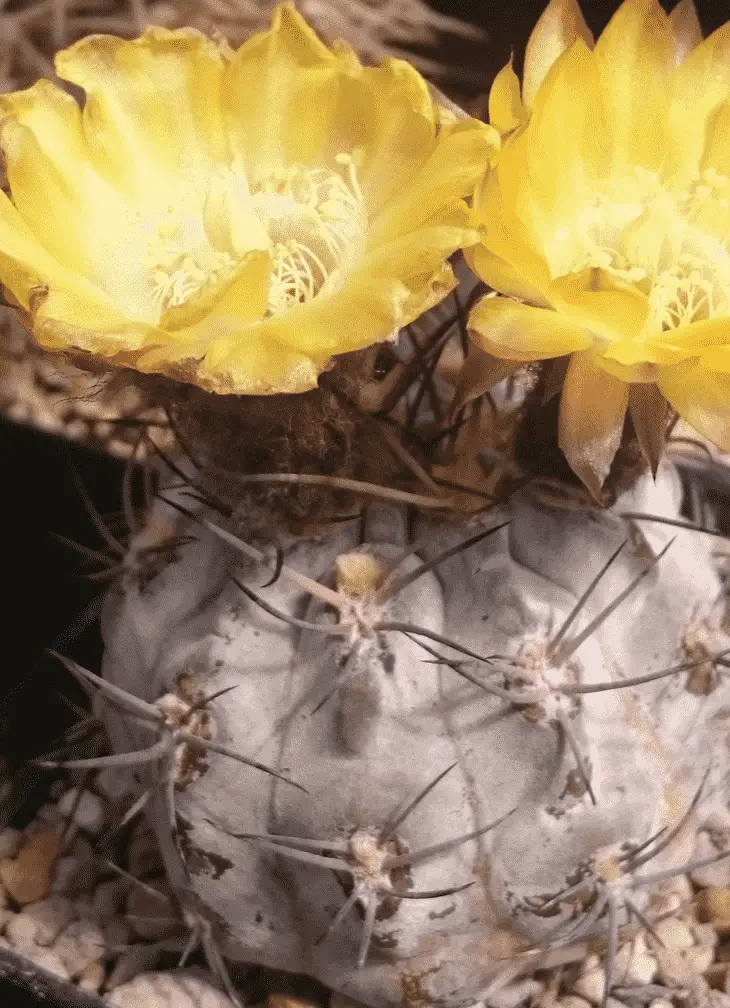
pixel 419 763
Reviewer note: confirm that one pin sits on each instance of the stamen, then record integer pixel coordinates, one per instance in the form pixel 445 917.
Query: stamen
pixel 685 279
pixel 311 219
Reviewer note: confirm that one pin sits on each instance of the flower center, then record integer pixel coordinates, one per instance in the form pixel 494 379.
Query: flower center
pixel 310 220
pixel 669 245
pixel 313 218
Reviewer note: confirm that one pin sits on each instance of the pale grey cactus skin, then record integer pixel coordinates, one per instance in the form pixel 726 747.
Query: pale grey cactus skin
pixel 397 720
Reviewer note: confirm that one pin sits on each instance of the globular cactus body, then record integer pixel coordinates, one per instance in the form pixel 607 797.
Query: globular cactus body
pixel 453 805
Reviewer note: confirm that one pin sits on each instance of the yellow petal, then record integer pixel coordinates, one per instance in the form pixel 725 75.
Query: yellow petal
pixel 262 369
pixel 717 150
pixel 26 264
pixel 54 119
pixel 506 111
pixel 559 25
pixel 686 28
pixel 452 170
pixel 511 330
pixel 636 53
pixel 708 332
pixel 79 219
pixel 717 358
pixel 65 321
pixel 564 172
pixel 399 129
pixel 152 117
pixel 636 353
pixel 502 276
pixel 613 314
pixel 702 398
pixel 243 294
pixel 592 411
pixel 505 238
pixel 701 86
pixel 281 93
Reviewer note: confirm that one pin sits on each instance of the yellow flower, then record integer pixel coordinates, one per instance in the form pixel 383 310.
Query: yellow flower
pixel 607 224
pixel 233 219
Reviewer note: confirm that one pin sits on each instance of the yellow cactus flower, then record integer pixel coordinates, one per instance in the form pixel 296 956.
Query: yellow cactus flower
pixel 232 219
pixel 606 224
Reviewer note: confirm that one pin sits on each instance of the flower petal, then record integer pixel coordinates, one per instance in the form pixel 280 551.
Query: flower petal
pixel 702 398
pixel 636 53
pixel 502 276
pixel 565 172
pixel 278 94
pixel 77 217
pixel 62 320
pixel 152 117
pixel 558 27
pixel 456 164
pixel 25 264
pixel 505 239
pixel 592 412
pixel 717 149
pixel 479 373
pixel 515 331
pixel 399 129
pixel 701 86
pixel 717 358
pixel 506 110
pixel 686 28
pixel 614 314
pixel 649 413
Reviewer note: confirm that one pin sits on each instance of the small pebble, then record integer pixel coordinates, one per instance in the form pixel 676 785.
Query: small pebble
pixel 108 898
pixel 50 917
pixel 661 1003
pixel 713 905
pixel 89 814
pixel 46 959
pixel 635 967
pixel 27 877
pixel 47 815
pixel 673 895
pixel 92 978
pixel 115 785
pixel 573 1001
pixel 512 996
pixel 674 933
pixel 20 931
pixel 715 875
pixel 171 990
pixel 700 958
pixel 135 960
pixel 80 945
pixel 591 983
